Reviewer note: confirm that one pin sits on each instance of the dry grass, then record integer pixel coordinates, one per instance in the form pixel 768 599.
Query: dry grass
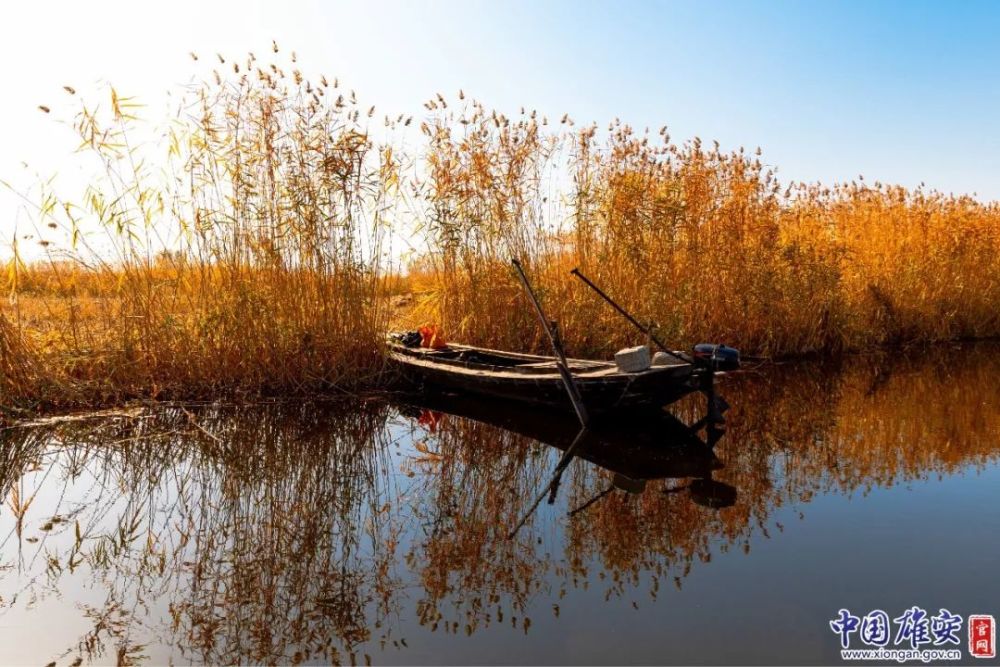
pixel 251 254
pixel 245 261
pixel 707 244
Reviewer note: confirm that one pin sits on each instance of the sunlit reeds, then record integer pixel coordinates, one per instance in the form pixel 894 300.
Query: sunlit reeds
pixel 245 260
pixel 258 249
pixel 706 244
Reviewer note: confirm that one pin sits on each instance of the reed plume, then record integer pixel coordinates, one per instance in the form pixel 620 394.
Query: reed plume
pixel 252 252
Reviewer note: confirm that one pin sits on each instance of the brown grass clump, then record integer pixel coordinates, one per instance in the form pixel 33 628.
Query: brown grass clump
pixel 245 261
pixel 251 252
pixel 16 365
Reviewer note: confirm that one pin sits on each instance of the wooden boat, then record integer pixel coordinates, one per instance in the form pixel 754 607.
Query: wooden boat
pixel 535 379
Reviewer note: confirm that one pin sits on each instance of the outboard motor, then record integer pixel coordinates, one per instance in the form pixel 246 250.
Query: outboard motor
pixel 717 357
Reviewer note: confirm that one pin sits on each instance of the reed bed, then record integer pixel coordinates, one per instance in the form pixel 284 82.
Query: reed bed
pixel 255 249
pixel 707 245
pixel 239 254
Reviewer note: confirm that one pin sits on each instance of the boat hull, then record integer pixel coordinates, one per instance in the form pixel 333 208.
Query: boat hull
pixel 602 387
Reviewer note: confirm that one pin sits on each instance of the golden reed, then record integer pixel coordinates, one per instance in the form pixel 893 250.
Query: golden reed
pixel 257 252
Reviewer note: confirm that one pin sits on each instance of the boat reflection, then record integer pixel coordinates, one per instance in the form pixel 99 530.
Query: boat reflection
pixel 644 447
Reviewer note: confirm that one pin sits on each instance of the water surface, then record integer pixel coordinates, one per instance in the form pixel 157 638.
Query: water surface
pixel 378 531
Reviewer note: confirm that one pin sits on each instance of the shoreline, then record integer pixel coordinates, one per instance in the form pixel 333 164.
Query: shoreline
pixel 13 416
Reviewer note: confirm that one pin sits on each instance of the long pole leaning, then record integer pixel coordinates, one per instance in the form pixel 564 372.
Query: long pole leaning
pixel 567 377
pixel 571 389
pixel 624 313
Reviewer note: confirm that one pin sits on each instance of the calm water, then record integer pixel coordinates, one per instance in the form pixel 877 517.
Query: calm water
pixel 379 532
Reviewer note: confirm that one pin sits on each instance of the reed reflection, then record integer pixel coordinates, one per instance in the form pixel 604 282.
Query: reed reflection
pixel 316 532
pixel 229 535
pixel 649 501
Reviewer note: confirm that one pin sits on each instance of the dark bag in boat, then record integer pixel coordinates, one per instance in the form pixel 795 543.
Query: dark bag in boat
pixel 409 338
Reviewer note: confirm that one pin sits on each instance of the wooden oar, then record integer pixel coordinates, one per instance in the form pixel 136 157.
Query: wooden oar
pixel 715 410
pixel 624 313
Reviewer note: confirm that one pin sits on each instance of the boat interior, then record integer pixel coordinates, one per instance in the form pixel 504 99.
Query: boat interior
pixel 478 357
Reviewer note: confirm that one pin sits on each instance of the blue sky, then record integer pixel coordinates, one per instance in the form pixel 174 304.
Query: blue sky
pixel 901 92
